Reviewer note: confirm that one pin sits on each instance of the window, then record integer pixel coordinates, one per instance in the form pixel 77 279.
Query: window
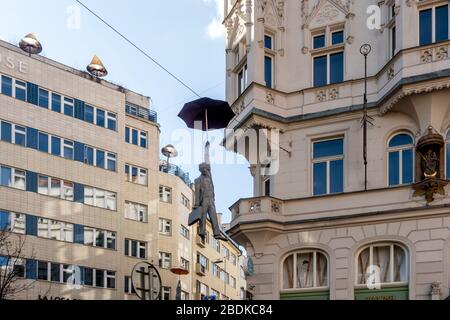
pixel 55 230
pixel 268 71
pixel 89 114
pixel 215 270
pixel 166 293
pixel 225 252
pixel 128 287
pixel 136 212
pixel 20 135
pixel 100 158
pixel 202 289
pixel 165 227
pixel 111 159
pixel 43 100
pixel 337 37
pixel 328 167
pixel 390 258
pixel 267 187
pixel 68 107
pixel 165 194
pixel 215 295
pixel 242 80
pixel 185 201
pixel 393 40
pixel 215 244
pixel 233 282
pixel 136 137
pixel 136 175
pixel 12 177
pixel 184 295
pixel 319 41
pixel 136 249
pixel 233 259
pixel 165 260
pixel 305 270
pixel 184 232
pixel 43 142
pixel 447 156
pixel 329 69
pixel 68 149
pixel 43 271
pixel 100 198
pixel 6 132
pixel 433 25
pixel 268 42
pixel 99 278
pixel 185 264
pixel 55 188
pixel 20 90
pixel 400 160
pixel 112 121
pixel 110 279
pixel 13 222
pixel 203 262
pixel 100 119
pixel 7 86
pixel 99 238
pixel 56 102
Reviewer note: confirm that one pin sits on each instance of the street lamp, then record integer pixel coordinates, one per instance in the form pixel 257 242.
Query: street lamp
pixel 224 261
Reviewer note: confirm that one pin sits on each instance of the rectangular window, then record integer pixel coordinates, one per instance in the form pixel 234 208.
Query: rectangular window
pixel 166 293
pixel 14 178
pixel 393 40
pixel 328 167
pixel 68 149
pixel 268 71
pixel 441 23
pixel 336 67
pixel 329 69
pixel 111 161
pixel 165 227
pixel 100 198
pixel 110 279
pixel 242 80
pixel 6 174
pixel 143 139
pixel 165 194
pixel 88 277
pixel 89 114
pixel 43 142
pixel 165 260
pixel 185 201
pixel 268 42
pixel 320 71
pixel 100 159
pixel 136 249
pixel 7 86
pixel 6 132
pixel 68 107
pixel 43 100
pixel 20 137
pixel 319 41
pixel 89 155
pixel 99 278
pixel 128 286
pixel 136 175
pixel 20 90
pixel 43 271
pixel 184 232
pixel 426 27
pixel 337 37
pixel 56 102
pixel 55 272
pixel 136 212
pixel 56 146
pixel 112 121
pixel 136 137
pixel 100 118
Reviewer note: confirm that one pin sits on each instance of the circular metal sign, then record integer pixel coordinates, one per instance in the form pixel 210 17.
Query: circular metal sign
pixel 146 281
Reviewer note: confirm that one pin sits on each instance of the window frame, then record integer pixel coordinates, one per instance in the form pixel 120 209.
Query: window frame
pixel 432 7
pixel 400 150
pixel 163 224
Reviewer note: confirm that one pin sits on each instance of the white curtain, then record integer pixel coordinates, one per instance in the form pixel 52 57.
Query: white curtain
pixel 400 272
pixel 322 270
pixel 381 258
pixel 363 264
pixel 288 273
pixel 305 270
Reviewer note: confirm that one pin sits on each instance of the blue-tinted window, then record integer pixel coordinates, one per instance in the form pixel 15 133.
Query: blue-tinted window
pixel 320 71
pixel 268 66
pixel 319 41
pixel 127 134
pixel 4 220
pixel 89 114
pixel 7 86
pixel 56 102
pixel 21 90
pixel 100 159
pixel 407 167
pixel 56 146
pixel 112 121
pixel 337 67
pixel 5 173
pixel 43 142
pixel 426 26
pixel 100 118
pixel 441 23
pixel 135 135
pixel 394 168
pixel 43 98
pixel 89 156
pixel 6 133
pixel 55 272
pixel 134 172
pixel 143 142
pixel 337 37
pixel 320 178
pixel 111 165
pixel 328 148
pixel 337 176
pixel 20 136
pixel 68 107
pixel 68 149
pixel 400 140
pixel 268 42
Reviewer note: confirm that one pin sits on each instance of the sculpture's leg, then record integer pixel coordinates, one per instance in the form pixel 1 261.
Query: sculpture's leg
pixel 202 225
pixel 213 216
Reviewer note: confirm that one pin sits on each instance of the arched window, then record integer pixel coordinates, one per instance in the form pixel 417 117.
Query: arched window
pixel 305 269
pixel 447 156
pixel 400 159
pixel 383 264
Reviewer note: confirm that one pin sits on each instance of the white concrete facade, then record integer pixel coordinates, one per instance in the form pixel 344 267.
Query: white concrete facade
pixel 407 93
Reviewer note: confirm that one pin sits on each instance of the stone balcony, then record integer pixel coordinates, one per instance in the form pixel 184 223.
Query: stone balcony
pixel 331 209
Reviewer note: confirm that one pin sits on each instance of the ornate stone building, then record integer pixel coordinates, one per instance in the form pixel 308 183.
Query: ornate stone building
pixel 311 230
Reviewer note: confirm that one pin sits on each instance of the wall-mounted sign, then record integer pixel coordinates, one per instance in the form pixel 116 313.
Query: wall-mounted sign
pixel 13 64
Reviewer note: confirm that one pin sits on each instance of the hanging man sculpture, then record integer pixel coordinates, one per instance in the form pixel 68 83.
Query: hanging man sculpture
pixel 204 202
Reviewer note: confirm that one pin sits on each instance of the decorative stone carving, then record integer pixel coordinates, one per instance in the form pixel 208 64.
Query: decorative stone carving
pixel 426 56
pixel 328 14
pixel 429 152
pixel 441 53
pixel 333 93
pixel 276 207
pixel 270 98
pixel 390 73
pixel 321 96
pixel 255 206
pixel 435 291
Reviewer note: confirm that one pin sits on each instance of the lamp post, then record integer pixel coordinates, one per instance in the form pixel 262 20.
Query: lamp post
pixel 365 51
pixel 224 261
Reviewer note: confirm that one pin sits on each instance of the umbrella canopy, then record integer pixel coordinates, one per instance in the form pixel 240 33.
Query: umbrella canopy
pixel 214 114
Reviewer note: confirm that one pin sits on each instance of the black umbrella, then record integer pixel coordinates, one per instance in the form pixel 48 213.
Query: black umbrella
pixel 214 114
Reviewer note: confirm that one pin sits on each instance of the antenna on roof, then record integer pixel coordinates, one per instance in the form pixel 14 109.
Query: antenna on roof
pixel 30 44
pixel 96 68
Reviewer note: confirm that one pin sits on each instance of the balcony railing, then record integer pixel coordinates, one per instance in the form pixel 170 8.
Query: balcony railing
pixel 141 112
pixel 176 171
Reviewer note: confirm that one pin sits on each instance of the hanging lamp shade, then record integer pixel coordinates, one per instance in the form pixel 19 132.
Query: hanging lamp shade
pixel 30 44
pixel 96 68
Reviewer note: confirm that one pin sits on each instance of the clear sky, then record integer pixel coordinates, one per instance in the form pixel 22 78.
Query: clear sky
pixel 183 35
